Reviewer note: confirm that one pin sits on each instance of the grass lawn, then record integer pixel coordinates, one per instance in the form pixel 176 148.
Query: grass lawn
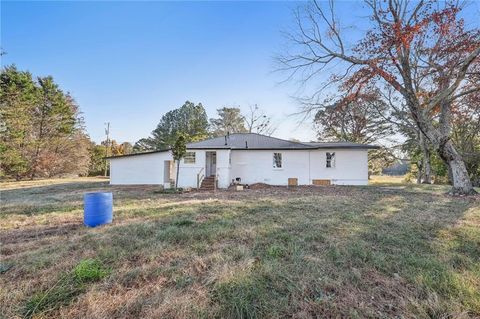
pixel 383 250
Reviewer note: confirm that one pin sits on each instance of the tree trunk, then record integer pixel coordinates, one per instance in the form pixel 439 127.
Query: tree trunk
pixel 440 141
pixel 460 179
pixel 178 170
pixel 450 176
pixel 420 171
pixel 39 140
pixel 427 176
pixel 34 164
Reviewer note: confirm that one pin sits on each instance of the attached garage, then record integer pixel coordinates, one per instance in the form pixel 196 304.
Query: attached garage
pixel 147 168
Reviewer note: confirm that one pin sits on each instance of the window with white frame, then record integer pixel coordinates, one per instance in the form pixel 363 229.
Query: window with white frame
pixel 330 159
pixel 189 158
pixel 277 160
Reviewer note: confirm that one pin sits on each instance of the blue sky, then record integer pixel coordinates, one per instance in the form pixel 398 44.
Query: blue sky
pixel 130 62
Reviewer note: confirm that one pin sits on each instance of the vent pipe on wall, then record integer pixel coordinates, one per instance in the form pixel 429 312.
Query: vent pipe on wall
pixel 246 144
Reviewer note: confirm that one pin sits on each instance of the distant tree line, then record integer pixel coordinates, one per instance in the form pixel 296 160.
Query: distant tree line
pixel 98 152
pixel 43 133
pixel 191 122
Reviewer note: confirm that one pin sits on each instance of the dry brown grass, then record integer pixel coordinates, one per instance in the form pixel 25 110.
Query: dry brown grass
pixel 379 251
pixel 386 179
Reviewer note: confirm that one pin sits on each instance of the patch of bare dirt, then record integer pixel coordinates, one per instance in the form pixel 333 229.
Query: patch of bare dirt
pixel 263 190
pixel 259 186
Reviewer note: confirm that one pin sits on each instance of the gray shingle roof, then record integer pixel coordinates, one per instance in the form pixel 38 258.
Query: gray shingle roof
pixel 254 141
pixel 247 140
pixel 258 141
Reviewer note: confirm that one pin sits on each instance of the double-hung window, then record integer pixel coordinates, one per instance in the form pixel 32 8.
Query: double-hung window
pixel 277 160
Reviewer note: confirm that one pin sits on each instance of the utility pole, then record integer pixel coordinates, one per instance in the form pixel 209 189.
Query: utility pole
pixel 107 132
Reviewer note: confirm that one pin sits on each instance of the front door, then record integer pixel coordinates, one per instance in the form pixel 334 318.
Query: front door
pixel 211 163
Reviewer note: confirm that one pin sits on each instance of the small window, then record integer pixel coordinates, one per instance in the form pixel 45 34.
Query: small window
pixel 189 158
pixel 330 159
pixel 277 160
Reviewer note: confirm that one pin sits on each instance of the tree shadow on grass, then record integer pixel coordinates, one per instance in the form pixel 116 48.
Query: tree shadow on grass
pixel 379 254
pixel 63 197
pixel 375 256
pixel 402 245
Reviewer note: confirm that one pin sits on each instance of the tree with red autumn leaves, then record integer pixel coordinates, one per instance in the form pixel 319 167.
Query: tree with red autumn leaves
pixel 422 50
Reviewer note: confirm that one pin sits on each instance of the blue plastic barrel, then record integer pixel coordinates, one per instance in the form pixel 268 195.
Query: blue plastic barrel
pixel 97 209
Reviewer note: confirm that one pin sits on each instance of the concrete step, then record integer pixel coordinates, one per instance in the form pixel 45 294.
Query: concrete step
pixel 208 183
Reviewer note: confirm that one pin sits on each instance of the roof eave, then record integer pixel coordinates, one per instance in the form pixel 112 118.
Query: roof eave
pixel 306 148
pixel 349 147
pixel 135 154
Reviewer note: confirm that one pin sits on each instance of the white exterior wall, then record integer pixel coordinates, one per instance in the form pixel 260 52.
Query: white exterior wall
pixel 141 169
pixel 187 176
pixel 252 166
pixel 256 166
pixel 223 168
pixel 188 172
pixel 149 169
pixel 351 166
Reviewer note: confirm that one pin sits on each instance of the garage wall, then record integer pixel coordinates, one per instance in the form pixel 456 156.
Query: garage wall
pixel 139 169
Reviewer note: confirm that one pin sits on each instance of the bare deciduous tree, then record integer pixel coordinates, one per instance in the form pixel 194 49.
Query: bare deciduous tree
pixel 421 49
pixel 257 121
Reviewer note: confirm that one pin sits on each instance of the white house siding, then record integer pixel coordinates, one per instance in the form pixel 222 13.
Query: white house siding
pixel 188 172
pixel 252 166
pixel 223 168
pixel 256 166
pixel 140 169
pixel 148 169
pixel 187 176
pixel 351 166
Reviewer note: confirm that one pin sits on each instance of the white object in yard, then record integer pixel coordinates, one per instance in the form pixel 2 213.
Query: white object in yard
pixel 239 187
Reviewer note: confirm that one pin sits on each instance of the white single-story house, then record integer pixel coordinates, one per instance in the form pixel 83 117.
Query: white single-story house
pixel 247 158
